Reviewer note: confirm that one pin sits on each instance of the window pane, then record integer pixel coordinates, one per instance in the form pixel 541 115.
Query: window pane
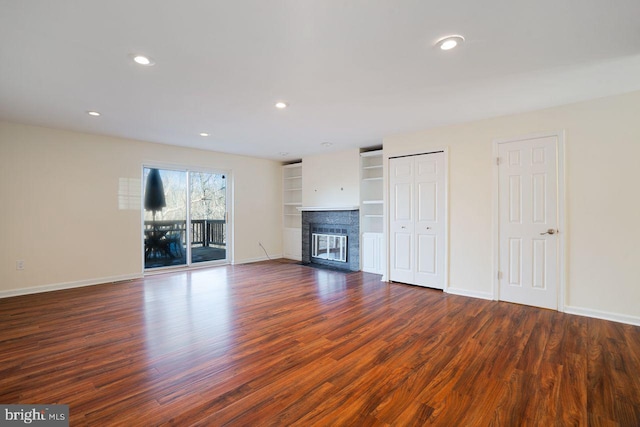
pixel 165 202
pixel 208 214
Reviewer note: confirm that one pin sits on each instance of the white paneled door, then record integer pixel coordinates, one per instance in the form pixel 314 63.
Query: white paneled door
pixel 417 223
pixel 528 221
pixel 401 203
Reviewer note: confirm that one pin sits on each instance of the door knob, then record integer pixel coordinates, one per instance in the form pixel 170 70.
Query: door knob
pixel 428 228
pixel 403 227
pixel 549 231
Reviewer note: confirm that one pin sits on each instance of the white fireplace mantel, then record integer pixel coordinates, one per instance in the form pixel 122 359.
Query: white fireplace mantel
pixel 327 208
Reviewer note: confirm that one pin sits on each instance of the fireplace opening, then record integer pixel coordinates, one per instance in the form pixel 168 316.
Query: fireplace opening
pixel 329 246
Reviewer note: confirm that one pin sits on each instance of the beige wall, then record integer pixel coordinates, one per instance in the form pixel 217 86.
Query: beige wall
pixel 60 205
pixel 60 210
pixel 602 164
pixel 332 179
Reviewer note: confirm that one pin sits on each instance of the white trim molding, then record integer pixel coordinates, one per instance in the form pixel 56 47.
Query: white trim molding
pixel 605 315
pixel 68 285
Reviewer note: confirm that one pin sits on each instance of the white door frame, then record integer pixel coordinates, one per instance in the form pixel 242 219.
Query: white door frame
pixel 561 272
pixel 387 211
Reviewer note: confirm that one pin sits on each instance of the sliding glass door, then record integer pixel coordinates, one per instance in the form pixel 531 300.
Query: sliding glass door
pixel 185 217
pixel 208 195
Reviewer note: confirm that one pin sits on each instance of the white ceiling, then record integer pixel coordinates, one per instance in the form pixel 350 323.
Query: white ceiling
pixel 353 71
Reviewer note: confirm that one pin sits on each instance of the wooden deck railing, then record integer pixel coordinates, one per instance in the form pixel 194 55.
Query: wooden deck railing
pixel 204 232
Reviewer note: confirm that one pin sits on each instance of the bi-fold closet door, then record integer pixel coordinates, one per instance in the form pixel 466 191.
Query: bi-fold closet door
pixel 417 219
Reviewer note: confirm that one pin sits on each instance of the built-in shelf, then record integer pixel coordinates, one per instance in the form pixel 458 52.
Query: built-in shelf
pixel 372 212
pixel 291 218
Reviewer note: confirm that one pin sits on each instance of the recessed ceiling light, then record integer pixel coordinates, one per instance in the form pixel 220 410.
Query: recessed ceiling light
pixel 327 144
pixel 449 42
pixel 281 105
pixel 93 113
pixel 142 60
pixel 204 134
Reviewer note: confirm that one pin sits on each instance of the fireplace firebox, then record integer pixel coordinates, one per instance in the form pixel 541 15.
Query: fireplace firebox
pixel 329 246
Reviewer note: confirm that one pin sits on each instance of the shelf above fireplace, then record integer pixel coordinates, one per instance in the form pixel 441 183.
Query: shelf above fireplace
pixel 327 208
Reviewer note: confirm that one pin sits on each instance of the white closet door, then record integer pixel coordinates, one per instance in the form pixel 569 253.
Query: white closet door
pixel 401 231
pixel 417 223
pixel 429 220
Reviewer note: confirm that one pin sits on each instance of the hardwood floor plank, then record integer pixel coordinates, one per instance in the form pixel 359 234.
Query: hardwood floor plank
pixel 553 349
pixel 405 394
pixel 600 374
pixel 484 402
pixel 572 409
pixel 271 399
pixel 531 357
pixel 414 414
pixel 276 343
pixel 303 405
pixel 511 408
pixel 544 403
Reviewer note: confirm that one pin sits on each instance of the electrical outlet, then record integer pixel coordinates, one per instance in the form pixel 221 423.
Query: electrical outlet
pixel 20 264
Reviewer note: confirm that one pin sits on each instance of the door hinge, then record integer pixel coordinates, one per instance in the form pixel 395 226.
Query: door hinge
pixel 497 161
pixel 499 275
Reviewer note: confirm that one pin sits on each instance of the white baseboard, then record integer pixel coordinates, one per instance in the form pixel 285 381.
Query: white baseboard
pixel 67 285
pixel 468 293
pixel 258 259
pixel 615 317
pixel 109 279
pixel 588 312
pixel 605 315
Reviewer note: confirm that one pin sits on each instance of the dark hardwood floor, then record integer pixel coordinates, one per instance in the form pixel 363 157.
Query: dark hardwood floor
pixel 276 343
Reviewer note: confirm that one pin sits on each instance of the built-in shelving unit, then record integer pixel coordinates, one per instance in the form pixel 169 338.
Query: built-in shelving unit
pixel 292 218
pixel 372 205
pixel 372 211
